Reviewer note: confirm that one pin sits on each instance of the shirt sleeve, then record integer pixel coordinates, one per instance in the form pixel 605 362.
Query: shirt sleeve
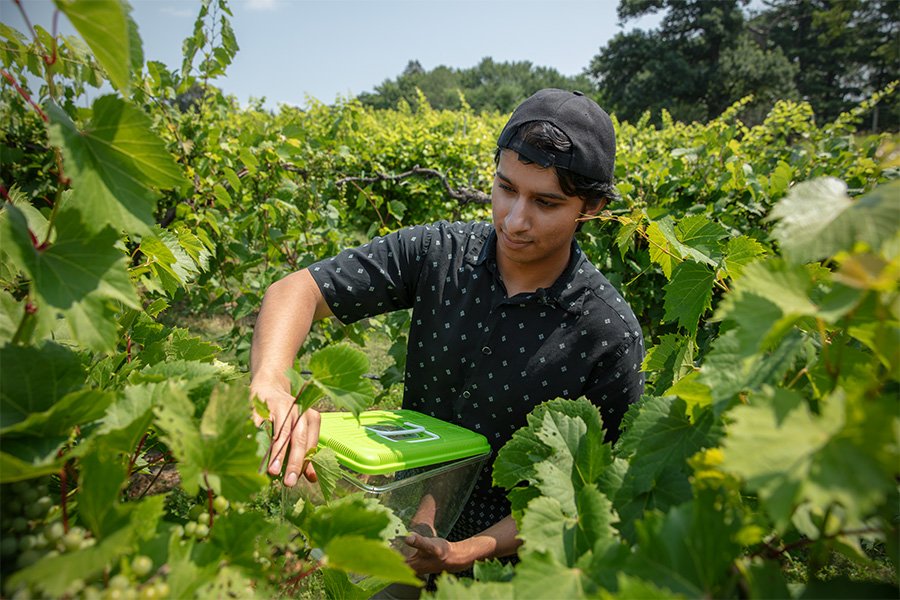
pixel 378 277
pixel 618 383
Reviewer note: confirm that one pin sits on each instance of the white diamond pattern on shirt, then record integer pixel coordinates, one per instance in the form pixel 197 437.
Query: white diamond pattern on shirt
pixel 503 356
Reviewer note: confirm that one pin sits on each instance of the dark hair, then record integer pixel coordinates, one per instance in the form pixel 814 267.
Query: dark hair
pixel 548 137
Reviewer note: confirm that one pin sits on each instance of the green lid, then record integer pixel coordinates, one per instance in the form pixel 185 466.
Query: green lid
pixel 384 441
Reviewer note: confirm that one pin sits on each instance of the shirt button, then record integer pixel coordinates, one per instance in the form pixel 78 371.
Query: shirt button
pixel 486 350
pixel 466 394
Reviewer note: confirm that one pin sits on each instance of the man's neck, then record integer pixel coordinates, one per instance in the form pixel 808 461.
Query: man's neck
pixel 519 278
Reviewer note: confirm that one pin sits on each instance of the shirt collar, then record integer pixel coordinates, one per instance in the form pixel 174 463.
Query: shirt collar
pixel 567 291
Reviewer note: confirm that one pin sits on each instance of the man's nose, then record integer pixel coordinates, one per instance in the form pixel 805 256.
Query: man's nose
pixel 517 219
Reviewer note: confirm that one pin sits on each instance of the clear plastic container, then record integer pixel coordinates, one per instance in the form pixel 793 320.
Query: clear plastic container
pixel 422 468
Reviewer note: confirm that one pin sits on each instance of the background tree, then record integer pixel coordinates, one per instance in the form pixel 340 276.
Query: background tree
pixel 697 63
pixel 844 50
pixel 488 86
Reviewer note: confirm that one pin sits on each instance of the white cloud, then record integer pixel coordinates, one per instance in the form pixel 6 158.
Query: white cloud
pixel 262 4
pixel 178 12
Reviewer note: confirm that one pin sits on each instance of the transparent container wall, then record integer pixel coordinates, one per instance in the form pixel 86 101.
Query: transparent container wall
pixel 433 495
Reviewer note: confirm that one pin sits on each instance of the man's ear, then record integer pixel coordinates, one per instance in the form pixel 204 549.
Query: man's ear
pixel 593 210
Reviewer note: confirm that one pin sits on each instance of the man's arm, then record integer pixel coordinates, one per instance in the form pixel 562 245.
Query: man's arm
pixel 435 555
pixel 289 308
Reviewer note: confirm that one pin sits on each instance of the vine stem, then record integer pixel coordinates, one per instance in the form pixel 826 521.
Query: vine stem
pixel 12 81
pixel 138 449
pixel 63 493
pixel 372 202
pixel 209 500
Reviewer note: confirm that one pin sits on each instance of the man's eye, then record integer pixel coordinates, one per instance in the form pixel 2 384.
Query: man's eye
pixel 504 187
pixel 545 203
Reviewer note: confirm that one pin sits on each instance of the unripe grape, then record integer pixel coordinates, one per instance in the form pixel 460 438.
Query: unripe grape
pixel 149 592
pixel 190 528
pixel 114 594
pixel 8 546
pixel 22 594
pixel 162 589
pixel 196 511
pixel 29 496
pixel 220 504
pixel 201 532
pixel 14 506
pixel 19 524
pixel 28 558
pixel 141 565
pixel 73 539
pixel 19 487
pixel 75 586
pixel 203 518
pixel 87 543
pixel 27 542
pixel 54 531
pixel 119 582
pixel 91 593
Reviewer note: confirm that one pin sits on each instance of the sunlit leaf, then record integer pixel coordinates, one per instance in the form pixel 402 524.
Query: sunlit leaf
pixel 115 163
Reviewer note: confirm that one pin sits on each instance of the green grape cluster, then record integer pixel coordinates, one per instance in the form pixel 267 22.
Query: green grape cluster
pixel 31 528
pixel 199 519
pixel 129 584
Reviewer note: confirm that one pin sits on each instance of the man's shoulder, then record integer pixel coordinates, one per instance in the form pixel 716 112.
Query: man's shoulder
pixel 605 298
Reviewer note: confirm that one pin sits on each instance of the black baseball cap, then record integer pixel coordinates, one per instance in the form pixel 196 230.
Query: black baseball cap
pixel 587 126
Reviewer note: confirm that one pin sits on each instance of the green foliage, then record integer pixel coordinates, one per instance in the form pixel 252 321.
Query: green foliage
pixel 761 260
pixel 487 87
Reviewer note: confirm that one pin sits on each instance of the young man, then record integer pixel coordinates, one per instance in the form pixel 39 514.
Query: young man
pixel 506 315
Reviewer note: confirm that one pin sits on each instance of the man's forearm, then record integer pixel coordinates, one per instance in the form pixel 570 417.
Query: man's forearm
pixel 494 542
pixel 288 310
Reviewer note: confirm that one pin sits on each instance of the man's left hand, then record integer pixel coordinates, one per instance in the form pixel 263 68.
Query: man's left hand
pixel 434 555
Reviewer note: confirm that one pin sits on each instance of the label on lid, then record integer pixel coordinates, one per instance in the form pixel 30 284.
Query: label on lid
pixel 384 441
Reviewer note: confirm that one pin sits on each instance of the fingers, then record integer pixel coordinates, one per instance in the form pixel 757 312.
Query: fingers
pixel 284 424
pixel 303 437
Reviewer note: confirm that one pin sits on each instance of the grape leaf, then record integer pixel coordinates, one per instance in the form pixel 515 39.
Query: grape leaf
pixel 14 468
pixel 104 25
pixel 76 408
pixel 114 163
pixel 350 515
pixel 561 449
pixel 787 454
pixel 220 454
pixel 43 375
pixel 665 249
pixel 328 471
pixel 817 219
pixel 365 556
pixel 688 549
pixel 339 586
pixel 688 294
pixel 546 528
pixel 540 572
pixel 337 372
pixel 700 238
pixel 672 358
pixel 76 275
pixel 740 251
pixel 238 535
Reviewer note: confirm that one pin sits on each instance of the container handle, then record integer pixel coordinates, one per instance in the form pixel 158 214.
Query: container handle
pixel 413 430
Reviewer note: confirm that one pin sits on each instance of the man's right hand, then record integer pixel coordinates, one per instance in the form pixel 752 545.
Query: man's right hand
pixel 293 434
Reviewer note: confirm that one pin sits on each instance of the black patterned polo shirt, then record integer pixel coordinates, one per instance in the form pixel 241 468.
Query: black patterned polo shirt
pixel 478 358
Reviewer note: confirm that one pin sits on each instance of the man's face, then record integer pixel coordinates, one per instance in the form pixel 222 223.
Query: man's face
pixel 534 219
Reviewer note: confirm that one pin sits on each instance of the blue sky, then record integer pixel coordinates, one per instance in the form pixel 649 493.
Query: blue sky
pixel 327 49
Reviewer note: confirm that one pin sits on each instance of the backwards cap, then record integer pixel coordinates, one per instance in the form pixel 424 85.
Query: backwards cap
pixel 588 127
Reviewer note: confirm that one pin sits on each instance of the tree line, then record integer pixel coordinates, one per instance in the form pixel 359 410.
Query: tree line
pixel 704 56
